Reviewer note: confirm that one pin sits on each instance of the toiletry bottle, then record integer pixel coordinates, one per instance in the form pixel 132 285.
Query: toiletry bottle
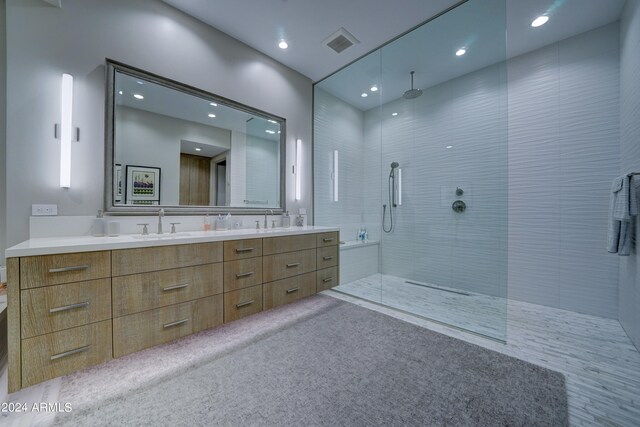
pixel 99 226
pixel 286 220
pixel 207 223
pixel 366 235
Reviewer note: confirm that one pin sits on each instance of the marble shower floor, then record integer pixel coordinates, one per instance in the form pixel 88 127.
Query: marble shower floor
pixel 483 314
pixel 599 361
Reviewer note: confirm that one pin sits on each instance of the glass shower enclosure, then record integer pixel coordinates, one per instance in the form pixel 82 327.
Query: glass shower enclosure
pixel 410 160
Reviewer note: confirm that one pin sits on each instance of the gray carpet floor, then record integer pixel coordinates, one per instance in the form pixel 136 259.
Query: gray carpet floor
pixel 342 365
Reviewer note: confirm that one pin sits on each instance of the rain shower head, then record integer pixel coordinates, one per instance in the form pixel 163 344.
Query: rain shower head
pixel 412 93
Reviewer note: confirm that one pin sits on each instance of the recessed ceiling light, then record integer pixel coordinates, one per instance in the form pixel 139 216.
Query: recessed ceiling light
pixel 374 88
pixel 394 114
pixel 364 94
pixel 449 146
pixel 198 149
pixel 283 44
pixel 213 116
pixel 138 96
pixel 461 51
pixel 139 82
pixel 270 131
pixel 119 92
pixel 213 104
pixel 540 20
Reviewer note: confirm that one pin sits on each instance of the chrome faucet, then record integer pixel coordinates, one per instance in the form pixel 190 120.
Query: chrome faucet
pixel 265 217
pixel 160 215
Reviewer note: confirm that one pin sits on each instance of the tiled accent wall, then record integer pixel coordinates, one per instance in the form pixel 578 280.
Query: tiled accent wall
pixel 430 242
pixel 563 154
pixel 629 312
pixel 338 126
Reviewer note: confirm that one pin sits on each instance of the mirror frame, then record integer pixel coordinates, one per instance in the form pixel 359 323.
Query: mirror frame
pixel 111 208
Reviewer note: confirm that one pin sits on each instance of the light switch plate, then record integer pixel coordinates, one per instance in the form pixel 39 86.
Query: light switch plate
pixel 44 210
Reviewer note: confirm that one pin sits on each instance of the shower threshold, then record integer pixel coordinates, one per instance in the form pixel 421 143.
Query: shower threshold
pixel 438 288
pixel 480 314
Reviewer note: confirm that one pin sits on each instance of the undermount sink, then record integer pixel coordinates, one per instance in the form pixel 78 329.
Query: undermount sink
pixel 160 236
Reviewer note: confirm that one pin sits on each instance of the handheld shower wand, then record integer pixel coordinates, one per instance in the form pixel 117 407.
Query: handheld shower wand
pixel 392 198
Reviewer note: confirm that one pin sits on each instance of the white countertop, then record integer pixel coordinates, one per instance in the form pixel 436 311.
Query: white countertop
pixel 58 245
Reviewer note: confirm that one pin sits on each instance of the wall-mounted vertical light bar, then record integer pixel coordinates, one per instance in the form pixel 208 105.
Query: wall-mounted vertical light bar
pixel 335 175
pixel 399 176
pixel 66 130
pixel 298 171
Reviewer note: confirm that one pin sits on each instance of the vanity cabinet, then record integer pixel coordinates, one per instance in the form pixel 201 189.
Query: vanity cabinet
pixel 71 311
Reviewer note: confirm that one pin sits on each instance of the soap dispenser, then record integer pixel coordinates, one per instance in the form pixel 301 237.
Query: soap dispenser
pixel 99 225
pixel 286 220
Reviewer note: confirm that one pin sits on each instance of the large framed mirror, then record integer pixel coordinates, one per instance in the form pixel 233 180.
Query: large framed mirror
pixel 172 146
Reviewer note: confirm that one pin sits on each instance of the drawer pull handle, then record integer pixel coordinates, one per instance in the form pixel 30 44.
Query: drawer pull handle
pixel 328 239
pixel 295 264
pixel 292 290
pixel 69 307
pixel 328 279
pixel 170 288
pixel 69 353
pixel 176 323
pixel 244 304
pixel 240 275
pixel 327 258
pixel 242 250
pixel 63 269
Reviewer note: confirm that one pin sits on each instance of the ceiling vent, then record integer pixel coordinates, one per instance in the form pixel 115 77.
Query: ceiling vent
pixel 340 40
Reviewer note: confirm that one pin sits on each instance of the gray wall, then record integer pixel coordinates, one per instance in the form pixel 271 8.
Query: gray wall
pixel 44 41
pixel 563 154
pixel 3 128
pixel 629 313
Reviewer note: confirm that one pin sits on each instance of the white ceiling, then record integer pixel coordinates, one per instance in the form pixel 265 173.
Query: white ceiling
pixel 305 24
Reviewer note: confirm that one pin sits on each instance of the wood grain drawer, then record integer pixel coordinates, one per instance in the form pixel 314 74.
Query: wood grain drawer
pixel 327 257
pixel 242 273
pixel 142 260
pixel 288 290
pixel 327 239
pixel 47 270
pixel 241 249
pixel 52 355
pixel 327 278
pixel 242 303
pixel 142 330
pixel 146 291
pixel 281 266
pixel 277 245
pixel 54 308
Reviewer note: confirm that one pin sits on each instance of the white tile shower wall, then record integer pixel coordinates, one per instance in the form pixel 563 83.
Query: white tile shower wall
pixel 430 242
pixel 563 153
pixel 629 310
pixel 338 126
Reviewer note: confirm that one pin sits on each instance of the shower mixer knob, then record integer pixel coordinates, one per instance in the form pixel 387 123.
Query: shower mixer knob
pixel 459 206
